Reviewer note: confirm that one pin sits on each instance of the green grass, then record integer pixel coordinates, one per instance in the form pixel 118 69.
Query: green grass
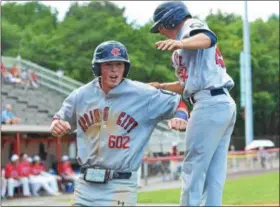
pixel 260 189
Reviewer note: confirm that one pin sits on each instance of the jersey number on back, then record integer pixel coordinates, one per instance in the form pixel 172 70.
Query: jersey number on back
pixel 219 58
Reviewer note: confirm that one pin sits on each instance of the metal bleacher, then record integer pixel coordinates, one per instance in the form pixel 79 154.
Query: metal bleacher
pixel 36 106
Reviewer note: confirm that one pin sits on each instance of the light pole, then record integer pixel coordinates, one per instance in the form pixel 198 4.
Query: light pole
pixel 248 79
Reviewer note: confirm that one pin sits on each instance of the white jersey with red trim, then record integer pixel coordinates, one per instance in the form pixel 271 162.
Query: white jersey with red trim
pixel 202 68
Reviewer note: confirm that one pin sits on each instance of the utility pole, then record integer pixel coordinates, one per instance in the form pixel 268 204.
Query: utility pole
pixel 248 78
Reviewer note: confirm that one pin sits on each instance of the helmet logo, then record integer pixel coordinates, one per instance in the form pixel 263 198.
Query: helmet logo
pixel 115 52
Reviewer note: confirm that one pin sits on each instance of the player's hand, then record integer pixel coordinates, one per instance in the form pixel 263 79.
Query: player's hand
pixel 155 84
pixel 177 124
pixel 169 44
pixel 60 128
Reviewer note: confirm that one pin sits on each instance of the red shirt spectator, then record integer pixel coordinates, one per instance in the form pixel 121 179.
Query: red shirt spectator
pixel 14 71
pixel 12 171
pixel 3 69
pixel 24 168
pixel 36 169
pixel 34 76
pixel 66 168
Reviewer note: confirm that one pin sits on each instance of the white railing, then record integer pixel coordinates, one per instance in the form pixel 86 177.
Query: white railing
pixel 161 169
pixel 47 77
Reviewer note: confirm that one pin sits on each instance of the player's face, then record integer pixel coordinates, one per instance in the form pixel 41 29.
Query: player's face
pixel 112 73
pixel 163 31
pixel 166 32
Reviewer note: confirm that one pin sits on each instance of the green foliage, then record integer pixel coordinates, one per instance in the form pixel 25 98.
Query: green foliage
pixel 32 30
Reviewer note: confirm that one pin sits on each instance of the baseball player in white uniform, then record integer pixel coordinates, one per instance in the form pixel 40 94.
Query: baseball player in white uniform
pixel 3 184
pixel 14 177
pixel 114 118
pixel 203 80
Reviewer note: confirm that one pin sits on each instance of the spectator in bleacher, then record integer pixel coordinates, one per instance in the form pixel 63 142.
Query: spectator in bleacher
pixel 38 181
pixel 39 169
pixel 15 179
pixel 34 79
pixel 3 71
pixel 15 71
pixel 7 77
pixel 8 117
pixel 25 77
pixel 3 183
pixel 67 171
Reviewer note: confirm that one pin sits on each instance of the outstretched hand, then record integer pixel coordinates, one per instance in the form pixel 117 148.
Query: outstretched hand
pixel 155 84
pixel 169 44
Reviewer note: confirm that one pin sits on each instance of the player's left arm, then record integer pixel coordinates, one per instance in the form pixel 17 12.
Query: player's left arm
pixel 197 36
pixel 164 105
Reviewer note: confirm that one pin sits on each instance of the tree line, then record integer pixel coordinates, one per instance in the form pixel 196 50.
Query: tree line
pixel 33 31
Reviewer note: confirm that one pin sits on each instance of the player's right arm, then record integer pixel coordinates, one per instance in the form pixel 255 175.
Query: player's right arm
pixel 173 86
pixel 64 120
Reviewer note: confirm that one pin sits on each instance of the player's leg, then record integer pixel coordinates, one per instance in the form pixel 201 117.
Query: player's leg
pixel 216 174
pixel 3 187
pixel 117 192
pixel 12 184
pixel 35 187
pixel 52 182
pixel 47 188
pixel 25 186
pixel 203 134
pixel 83 193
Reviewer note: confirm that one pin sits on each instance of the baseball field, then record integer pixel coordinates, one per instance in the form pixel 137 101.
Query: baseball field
pixel 260 189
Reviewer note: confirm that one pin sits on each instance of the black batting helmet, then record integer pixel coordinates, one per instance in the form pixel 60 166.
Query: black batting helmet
pixel 169 14
pixel 110 51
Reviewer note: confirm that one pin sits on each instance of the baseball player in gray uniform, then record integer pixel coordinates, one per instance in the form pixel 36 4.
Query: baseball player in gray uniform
pixel 114 118
pixel 203 80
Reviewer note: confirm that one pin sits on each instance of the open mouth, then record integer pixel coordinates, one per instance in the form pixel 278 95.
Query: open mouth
pixel 113 77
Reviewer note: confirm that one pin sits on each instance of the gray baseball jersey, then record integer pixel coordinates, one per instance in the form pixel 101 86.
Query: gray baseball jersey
pixel 202 68
pixel 113 129
pixel 207 137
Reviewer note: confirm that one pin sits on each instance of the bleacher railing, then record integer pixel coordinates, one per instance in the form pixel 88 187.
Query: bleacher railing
pixel 47 78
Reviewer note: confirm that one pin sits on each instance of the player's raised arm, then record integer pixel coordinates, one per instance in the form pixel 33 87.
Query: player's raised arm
pixel 175 87
pixel 64 120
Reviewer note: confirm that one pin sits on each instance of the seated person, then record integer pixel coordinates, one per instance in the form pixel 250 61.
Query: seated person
pixel 15 179
pixel 67 171
pixel 34 79
pixel 38 181
pixel 15 71
pixel 38 169
pixel 8 117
